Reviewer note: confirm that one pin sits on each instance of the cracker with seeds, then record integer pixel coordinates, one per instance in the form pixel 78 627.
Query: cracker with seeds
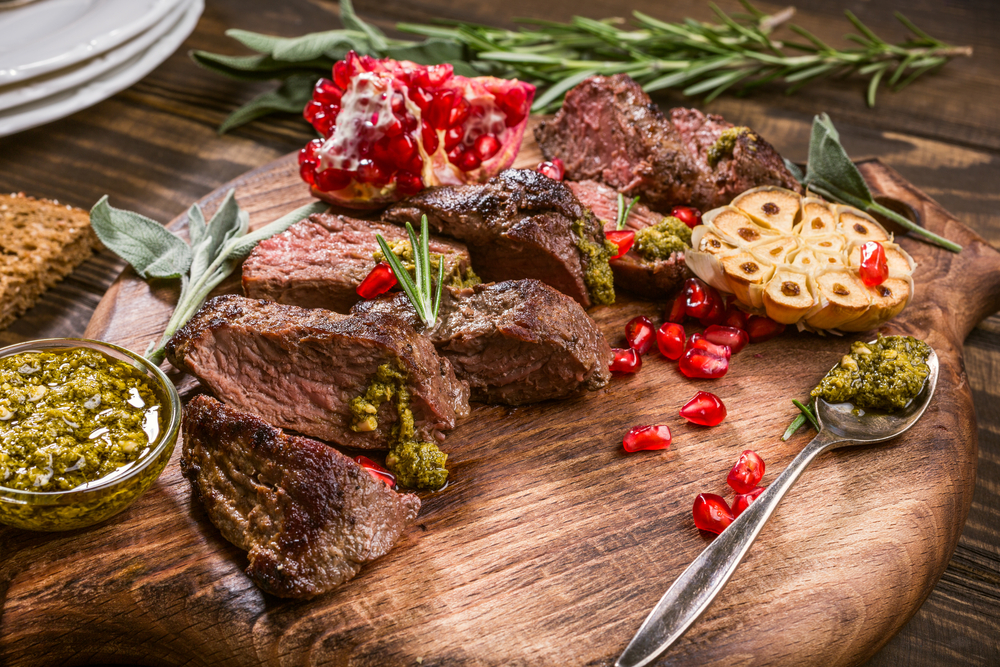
pixel 41 242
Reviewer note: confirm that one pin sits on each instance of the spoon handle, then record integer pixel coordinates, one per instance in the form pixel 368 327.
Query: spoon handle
pixel 698 585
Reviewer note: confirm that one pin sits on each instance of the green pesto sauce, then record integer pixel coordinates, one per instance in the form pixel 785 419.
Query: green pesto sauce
pixel 453 277
pixel 70 417
pixel 726 142
pixel 418 465
pixel 597 273
pixel 884 375
pixel 662 239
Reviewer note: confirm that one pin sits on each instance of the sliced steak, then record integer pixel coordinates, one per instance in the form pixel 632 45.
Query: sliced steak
pixel 319 262
pixel 309 516
pixel 655 279
pixel 514 342
pixel 742 161
pixel 609 130
pixel 520 224
pixel 300 368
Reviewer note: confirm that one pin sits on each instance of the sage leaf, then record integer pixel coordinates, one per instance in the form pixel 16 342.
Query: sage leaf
pixel 829 161
pixel 228 222
pixel 351 21
pixel 145 244
pixel 259 68
pixel 238 248
pixel 291 97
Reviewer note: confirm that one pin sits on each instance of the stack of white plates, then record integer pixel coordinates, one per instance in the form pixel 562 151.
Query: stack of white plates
pixel 60 56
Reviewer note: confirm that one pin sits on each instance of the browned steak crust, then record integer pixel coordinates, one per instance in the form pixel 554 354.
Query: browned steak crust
pixel 319 262
pixel 300 368
pixel 519 224
pixel 650 279
pixel 514 342
pixel 309 516
pixel 609 130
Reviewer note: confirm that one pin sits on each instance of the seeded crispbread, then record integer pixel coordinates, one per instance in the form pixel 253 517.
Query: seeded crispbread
pixel 41 242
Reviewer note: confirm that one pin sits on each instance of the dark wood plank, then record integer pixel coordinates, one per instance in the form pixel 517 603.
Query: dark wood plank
pixel 153 149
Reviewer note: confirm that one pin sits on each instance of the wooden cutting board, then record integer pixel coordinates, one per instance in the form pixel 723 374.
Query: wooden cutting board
pixel 550 544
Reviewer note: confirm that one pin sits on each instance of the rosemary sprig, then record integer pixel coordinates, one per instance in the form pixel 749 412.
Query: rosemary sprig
pixel 699 58
pixel 623 211
pixel 831 173
pixel 418 288
pixel 805 415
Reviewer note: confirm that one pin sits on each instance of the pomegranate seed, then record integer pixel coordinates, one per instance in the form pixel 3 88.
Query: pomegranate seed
pixel 429 137
pixel 735 338
pixel 459 113
pixel 641 438
pixel 398 104
pixel 394 128
pixel 453 137
pixel 381 152
pixel 414 165
pixel 330 180
pixel 487 146
pixel 623 239
pixel 678 309
pixel 670 340
pixel 698 341
pixel 716 314
pixel 874 269
pixel 468 161
pixel 699 363
pixel 327 92
pixel 700 298
pixel 735 318
pixel 747 472
pixel 409 122
pixel 640 334
pixel 690 216
pixel 625 361
pixel 711 513
pixel 307 171
pixel 434 76
pixel 422 99
pixel 308 153
pixel 743 500
pixel 704 409
pixel 376 471
pixel 762 328
pixel 408 183
pixel 368 63
pixel 379 280
pixel 554 169
pixel 439 112
pixel 402 148
pixel 373 172
pixel 515 104
pixel 342 74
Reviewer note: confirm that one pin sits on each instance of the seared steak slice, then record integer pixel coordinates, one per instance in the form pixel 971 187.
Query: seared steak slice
pixel 728 170
pixel 609 130
pixel 309 516
pixel 319 262
pixel 655 279
pixel 519 224
pixel 515 342
pixel 300 368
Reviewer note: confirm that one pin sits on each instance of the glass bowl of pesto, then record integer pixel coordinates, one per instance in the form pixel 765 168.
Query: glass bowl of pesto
pixel 85 429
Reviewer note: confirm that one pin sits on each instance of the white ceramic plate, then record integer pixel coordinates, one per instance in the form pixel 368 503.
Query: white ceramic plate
pixel 121 77
pixel 52 34
pixel 39 87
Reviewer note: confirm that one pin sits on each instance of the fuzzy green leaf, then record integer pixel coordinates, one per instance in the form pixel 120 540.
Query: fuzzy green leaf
pixel 290 97
pixel 829 161
pixel 351 21
pixel 228 222
pixel 145 244
pixel 238 248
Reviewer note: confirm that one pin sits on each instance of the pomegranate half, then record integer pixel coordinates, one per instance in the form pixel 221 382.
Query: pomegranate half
pixel 391 128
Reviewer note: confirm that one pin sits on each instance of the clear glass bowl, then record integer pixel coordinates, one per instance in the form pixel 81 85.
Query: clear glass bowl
pixel 102 498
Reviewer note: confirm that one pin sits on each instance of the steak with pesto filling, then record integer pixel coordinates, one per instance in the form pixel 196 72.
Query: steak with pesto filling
pixel 655 278
pixel 514 342
pixel 302 368
pixel 609 130
pixel 308 516
pixel 521 224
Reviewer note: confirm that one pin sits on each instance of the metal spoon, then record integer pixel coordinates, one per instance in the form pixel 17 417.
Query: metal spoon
pixel 695 589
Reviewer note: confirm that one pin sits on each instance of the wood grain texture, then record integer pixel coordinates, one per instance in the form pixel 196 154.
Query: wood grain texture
pixel 550 544
pixel 153 149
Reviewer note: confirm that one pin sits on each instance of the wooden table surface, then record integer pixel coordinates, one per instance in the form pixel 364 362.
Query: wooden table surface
pixel 153 148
